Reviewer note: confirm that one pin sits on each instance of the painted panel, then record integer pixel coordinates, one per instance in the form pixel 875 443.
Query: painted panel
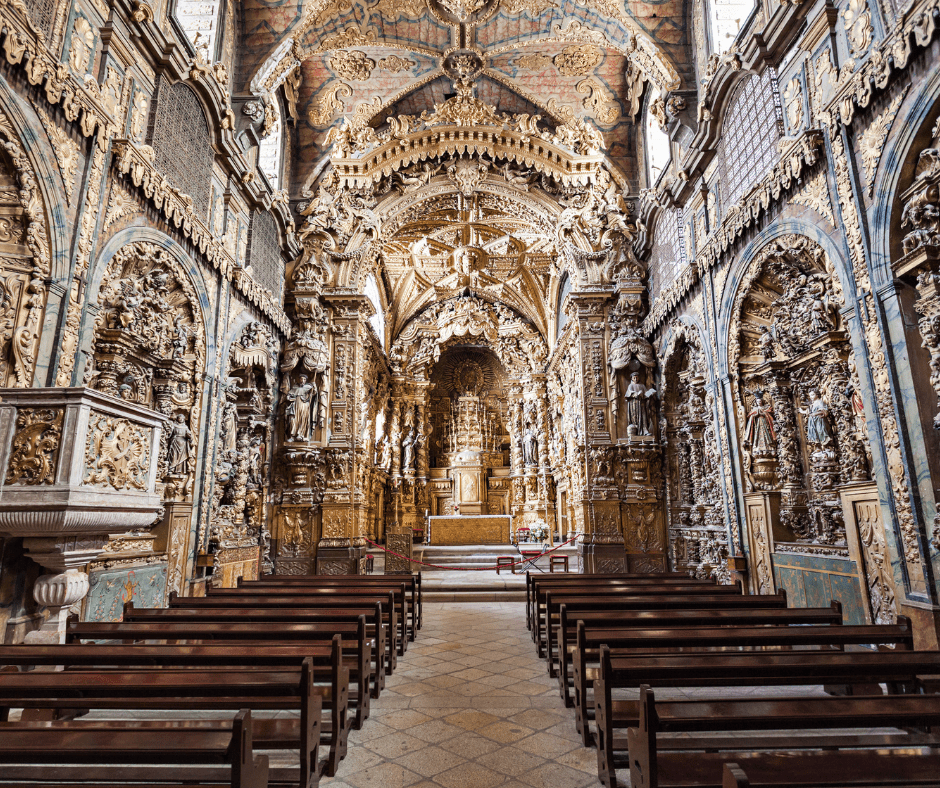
pixel 813 581
pixel 144 585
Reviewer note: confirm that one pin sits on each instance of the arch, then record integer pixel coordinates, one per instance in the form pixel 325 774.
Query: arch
pixel 38 228
pixel 565 286
pixel 181 138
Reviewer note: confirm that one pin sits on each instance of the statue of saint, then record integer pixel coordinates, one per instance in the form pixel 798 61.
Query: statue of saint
pixel 530 447
pixel 229 428
pixel 408 452
pixel 637 396
pixel 817 420
pixel 177 457
pixel 299 401
pixel 254 463
pixel 759 431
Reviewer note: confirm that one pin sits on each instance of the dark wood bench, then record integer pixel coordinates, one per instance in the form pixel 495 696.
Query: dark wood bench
pixel 44 695
pixel 356 668
pixel 412 583
pixel 842 769
pixel 376 635
pixel 155 754
pixel 577 579
pixel 624 642
pixel 846 672
pixel 399 594
pixel 537 587
pixel 390 611
pixel 629 595
pixel 566 632
pixel 652 766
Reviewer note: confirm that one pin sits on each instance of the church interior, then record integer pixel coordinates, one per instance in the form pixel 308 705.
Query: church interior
pixel 469 393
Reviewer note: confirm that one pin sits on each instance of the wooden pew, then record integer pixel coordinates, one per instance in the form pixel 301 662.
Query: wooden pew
pixel 357 672
pixel 164 754
pixel 843 769
pixel 399 595
pixel 858 672
pixel 623 642
pixel 390 614
pixel 652 768
pixel 412 582
pixel 648 584
pixel 43 694
pixel 376 635
pixel 615 594
pixel 565 581
pixel 720 617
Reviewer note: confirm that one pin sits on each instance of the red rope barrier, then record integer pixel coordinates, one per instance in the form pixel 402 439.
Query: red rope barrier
pixel 474 568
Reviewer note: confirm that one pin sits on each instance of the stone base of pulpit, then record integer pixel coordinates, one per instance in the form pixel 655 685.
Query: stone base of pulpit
pixel 341 561
pixel 601 559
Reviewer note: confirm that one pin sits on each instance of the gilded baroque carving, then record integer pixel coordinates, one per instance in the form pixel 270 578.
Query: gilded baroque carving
pixel 577 60
pixel 872 140
pixel 117 453
pixel 35 449
pixel 395 64
pixel 352 65
pixel 65 150
pixel 599 101
pixel 329 104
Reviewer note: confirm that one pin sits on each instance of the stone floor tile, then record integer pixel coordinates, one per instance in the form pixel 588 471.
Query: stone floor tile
pixel 435 731
pixel 395 745
pixel 388 775
pixel 510 761
pixel 470 775
pixel 400 719
pixel 505 732
pixel 357 759
pixel 538 719
pixel 470 745
pixel 430 761
pixel 546 745
pixel 470 719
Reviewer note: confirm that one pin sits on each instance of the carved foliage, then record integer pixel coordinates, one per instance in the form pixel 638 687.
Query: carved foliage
pixel 117 453
pixel 35 449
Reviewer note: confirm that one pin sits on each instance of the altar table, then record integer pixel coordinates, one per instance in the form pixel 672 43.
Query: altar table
pixel 470 529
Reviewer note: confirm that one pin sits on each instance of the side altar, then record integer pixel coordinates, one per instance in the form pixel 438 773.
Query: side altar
pixel 470 529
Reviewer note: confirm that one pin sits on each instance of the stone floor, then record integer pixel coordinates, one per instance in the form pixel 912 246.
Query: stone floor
pixel 470 706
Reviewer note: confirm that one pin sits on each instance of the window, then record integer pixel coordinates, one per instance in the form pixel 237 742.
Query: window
pixel 749 136
pixel 200 21
pixel 371 291
pixel 264 253
pixel 658 152
pixel 726 18
pixel 269 152
pixel 560 317
pixel 179 135
pixel 668 257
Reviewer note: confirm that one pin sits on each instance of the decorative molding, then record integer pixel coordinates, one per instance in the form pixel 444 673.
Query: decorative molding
pixel 871 141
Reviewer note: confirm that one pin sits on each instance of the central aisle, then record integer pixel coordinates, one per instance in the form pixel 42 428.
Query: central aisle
pixel 470 706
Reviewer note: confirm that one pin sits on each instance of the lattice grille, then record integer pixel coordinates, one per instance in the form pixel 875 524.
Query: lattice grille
pixel 750 133
pixel 42 12
pixel 181 144
pixel 264 253
pixel 668 257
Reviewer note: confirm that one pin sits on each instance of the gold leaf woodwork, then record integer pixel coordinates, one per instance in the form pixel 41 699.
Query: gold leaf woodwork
pixel 599 101
pixel 533 62
pixel 117 453
pixel 354 65
pixel 533 8
pixel 35 447
pixel 872 141
pixel 394 64
pixel 328 105
pixel 578 60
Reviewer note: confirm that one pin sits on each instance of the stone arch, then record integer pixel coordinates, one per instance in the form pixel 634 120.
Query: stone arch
pixel 800 422
pixel 698 531
pixel 27 259
pixel 148 344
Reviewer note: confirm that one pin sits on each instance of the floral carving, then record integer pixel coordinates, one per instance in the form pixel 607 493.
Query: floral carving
pixel 35 449
pixel 871 142
pixel 353 65
pixel 394 64
pixel 577 60
pixel 117 453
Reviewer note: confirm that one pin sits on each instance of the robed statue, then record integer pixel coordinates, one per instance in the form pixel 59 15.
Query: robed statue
pixel 530 447
pixel 299 404
pixel 638 411
pixel 817 420
pixel 759 430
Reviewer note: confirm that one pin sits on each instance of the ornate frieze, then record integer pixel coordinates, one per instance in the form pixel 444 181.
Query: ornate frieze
pixel 35 450
pixel 117 453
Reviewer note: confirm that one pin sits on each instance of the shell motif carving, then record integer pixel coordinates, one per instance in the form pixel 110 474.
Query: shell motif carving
pixel 35 446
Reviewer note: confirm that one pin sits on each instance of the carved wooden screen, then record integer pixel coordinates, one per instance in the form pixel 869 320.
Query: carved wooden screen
pixel 749 136
pixel 668 257
pixel 264 253
pixel 42 14
pixel 179 134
